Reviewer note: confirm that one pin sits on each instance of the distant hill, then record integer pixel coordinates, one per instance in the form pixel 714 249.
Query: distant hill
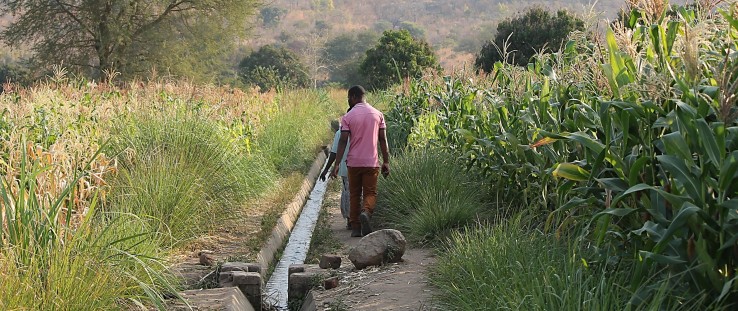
pixel 455 28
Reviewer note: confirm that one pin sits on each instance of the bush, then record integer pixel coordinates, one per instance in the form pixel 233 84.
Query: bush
pixel 183 174
pixel 271 16
pixel 291 138
pixel 524 36
pixel 52 259
pixel 273 67
pixel 345 59
pixel 415 30
pixel 511 267
pixel 397 55
pixel 428 195
pixel 14 73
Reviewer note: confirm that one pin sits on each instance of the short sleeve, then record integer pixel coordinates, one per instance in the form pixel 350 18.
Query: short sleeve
pixel 381 121
pixel 345 124
pixel 336 138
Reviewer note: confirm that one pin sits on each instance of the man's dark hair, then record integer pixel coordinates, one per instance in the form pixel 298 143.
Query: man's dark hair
pixel 356 91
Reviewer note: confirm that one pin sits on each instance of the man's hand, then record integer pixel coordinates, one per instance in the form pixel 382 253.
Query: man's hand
pixel 334 172
pixel 385 169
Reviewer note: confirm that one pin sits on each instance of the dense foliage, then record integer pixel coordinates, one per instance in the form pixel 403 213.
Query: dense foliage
pixel 94 38
pixel 101 185
pixel 344 54
pixel 626 150
pixel 273 67
pixel 397 56
pixel 518 39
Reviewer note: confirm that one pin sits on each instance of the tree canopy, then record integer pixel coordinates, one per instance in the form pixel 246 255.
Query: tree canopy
pixel 345 53
pixel 524 36
pixel 272 67
pixel 133 37
pixel 396 56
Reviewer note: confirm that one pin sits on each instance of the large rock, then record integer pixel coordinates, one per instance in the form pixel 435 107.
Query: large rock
pixel 377 248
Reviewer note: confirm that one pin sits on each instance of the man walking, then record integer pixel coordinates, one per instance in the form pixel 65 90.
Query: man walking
pixel 365 125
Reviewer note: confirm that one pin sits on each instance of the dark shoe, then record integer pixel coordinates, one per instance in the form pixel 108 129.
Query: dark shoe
pixel 356 233
pixel 366 228
pixel 348 224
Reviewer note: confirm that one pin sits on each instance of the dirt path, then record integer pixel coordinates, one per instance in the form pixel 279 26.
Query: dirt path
pixel 400 286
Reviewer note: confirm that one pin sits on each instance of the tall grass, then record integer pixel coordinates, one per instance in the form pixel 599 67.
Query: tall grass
pixel 510 267
pixel 184 174
pixel 182 158
pixel 291 137
pixel 50 262
pixel 429 194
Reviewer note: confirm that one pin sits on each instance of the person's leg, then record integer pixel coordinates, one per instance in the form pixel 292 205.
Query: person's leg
pixel 354 179
pixel 345 201
pixel 369 189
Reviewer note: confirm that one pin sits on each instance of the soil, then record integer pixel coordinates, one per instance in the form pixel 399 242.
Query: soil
pixel 399 286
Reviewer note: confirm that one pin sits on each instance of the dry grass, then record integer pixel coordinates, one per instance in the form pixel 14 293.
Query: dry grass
pixel 63 123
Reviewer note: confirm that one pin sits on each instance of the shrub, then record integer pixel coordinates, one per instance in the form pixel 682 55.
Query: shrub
pixel 183 174
pixel 524 36
pixel 271 16
pixel 273 67
pixel 345 59
pixel 415 30
pixel 509 266
pixel 14 73
pixel 289 140
pixel 429 194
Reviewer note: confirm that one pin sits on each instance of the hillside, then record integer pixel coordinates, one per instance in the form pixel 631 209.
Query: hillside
pixel 456 29
pixel 317 30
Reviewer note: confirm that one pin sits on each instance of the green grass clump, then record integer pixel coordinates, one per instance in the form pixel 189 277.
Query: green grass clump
pixel 50 259
pixel 183 175
pixel 509 267
pixel 290 138
pixel 428 194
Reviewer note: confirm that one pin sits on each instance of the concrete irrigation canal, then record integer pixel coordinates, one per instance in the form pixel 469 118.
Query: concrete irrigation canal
pixel 241 284
pixel 297 247
pixel 294 285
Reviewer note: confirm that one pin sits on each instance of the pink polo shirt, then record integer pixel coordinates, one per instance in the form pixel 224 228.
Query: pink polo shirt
pixel 363 123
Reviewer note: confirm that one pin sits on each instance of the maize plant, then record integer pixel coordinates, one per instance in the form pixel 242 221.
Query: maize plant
pixel 632 141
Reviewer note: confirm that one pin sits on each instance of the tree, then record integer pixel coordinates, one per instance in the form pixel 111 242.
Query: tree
pixel 271 16
pixel 345 58
pixel 130 36
pixel 313 56
pixel 272 67
pixel 524 36
pixel 396 56
pixel 415 30
pixel 15 73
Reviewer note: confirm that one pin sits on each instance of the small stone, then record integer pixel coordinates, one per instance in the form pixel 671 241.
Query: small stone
pixel 330 283
pixel 206 259
pixel 330 261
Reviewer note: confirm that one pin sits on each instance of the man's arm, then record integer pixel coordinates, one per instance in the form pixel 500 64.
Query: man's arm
pixel 331 158
pixel 385 151
pixel 339 153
